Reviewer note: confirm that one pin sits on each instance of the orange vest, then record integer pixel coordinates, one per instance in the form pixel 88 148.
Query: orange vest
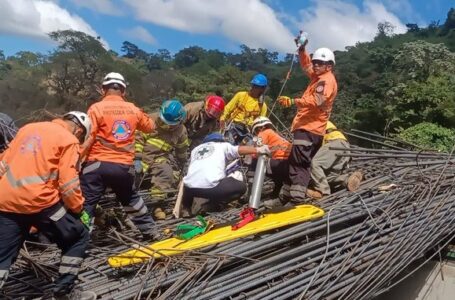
pixel 315 106
pixel 39 168
pixel 114 122
pixel 276 142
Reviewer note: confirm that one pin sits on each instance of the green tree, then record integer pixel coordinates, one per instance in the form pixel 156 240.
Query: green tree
pixel 429 136
pixel 75 67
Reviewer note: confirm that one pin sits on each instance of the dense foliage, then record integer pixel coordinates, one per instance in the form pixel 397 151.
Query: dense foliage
pixel 386 85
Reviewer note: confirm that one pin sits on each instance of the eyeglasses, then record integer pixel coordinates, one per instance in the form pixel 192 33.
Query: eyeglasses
pixel 319 62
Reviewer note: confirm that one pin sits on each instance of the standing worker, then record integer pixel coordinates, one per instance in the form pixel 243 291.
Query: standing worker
pixel 39 186
pixel 327 166
pixel 202 118
pixel 156 152
pixel 313 111
pixel 110 152
pixel 243 108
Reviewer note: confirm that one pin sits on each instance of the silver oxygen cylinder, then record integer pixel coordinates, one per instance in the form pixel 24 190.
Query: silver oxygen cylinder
pixel 258 181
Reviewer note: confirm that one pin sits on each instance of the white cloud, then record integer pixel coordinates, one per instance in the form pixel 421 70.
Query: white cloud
pixel 250 22
pixel 337 24
pixel 139 33
pixel 103 6
pixel 36 18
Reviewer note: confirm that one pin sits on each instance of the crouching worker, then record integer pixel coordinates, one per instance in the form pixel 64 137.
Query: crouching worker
pixel 158 152
pixel 278 168
pixel 327 166
pixel 39 186
pixel 207 177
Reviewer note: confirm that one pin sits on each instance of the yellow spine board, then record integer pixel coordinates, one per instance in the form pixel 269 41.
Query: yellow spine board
pixel 173 246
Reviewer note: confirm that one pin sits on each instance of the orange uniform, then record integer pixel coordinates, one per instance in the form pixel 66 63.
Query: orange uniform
pixel 114 122
pixel 275 142
pixel 315 106
pixel 39 168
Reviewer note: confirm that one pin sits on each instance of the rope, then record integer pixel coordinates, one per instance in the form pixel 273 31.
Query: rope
pixel 288 75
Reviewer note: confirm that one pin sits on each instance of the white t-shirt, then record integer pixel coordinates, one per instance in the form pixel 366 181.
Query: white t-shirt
pixel 208 164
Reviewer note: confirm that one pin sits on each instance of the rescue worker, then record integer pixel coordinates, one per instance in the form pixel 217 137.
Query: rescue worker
pixel 157 152
pixel 39 186
pixel 243 108
pixel 202 118
pixel 278 168
pixel 327 167
pixel 110 152
pixel 7 131
pixel 313 111
pixel 206 177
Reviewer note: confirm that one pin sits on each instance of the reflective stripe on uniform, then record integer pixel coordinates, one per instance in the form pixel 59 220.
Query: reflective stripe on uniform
pixel 69 192
pixel 160 144
pixel 58 214
pixel 27 180
pixel 137 209
pixel 183 144
pixel 70 265
pixel 91 167
pixel 128 148
pixel 139 213
pixel 302 143
pixel 139 147
pixel 67 184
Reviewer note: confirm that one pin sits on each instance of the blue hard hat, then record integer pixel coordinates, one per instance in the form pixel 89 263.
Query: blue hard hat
pixel 172 112
pixel 213 137
pixel 259 80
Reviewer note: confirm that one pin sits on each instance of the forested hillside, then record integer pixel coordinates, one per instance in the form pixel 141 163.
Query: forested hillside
pixel 397 84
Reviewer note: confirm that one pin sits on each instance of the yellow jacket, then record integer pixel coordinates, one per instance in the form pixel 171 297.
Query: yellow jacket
pixel 333 135
pixel 243 109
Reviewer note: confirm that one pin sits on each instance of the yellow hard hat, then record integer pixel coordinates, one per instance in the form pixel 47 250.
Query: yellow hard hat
pixel 330 126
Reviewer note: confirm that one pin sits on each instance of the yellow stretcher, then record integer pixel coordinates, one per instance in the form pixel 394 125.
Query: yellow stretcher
pixel 172 246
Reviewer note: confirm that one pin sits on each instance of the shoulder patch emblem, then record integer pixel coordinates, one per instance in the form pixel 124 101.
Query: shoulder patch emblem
pixel 320 87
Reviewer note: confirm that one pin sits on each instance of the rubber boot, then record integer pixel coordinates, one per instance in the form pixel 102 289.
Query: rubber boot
pixel 64 285
pixel 285 194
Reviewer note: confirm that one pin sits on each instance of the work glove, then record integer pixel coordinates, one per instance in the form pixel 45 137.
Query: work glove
pixel 85 219
pixel 138 166
pixel 285 101
pixel 263 150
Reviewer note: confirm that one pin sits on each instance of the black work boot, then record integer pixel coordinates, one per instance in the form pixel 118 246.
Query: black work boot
pixel 64 285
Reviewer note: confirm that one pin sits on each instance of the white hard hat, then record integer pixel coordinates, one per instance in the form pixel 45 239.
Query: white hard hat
pixel 260 122
pixel 324 54
pixel 82 119
pixel 114 77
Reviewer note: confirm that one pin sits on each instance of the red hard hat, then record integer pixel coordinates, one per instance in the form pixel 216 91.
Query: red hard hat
pixel 214 106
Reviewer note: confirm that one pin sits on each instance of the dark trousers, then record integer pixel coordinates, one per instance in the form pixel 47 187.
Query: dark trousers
pixel 60 226
pixel 226 190
pixel 279 172
pixel 304 148
pixel 96 176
